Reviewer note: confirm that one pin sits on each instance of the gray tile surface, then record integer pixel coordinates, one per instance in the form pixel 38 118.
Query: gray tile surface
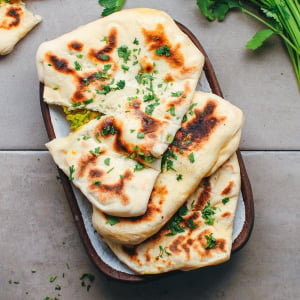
pixel 37 229
pixel 38 232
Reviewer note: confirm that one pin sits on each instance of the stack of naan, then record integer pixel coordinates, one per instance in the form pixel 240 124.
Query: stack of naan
pixel 159 164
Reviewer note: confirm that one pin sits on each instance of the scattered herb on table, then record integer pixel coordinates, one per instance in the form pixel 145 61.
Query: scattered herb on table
pixel 110 6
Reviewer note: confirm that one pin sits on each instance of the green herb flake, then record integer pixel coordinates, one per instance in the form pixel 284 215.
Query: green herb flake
pixel 210 241
pixel 33 270
pixel 177 94
pixel 225 200
pixel 162 251
pixel 124 53
pixel 140 135
pixel 132 130
pixel 107 161
pixel 207 212
pixel 191 112
pixel 57 287
pixel 77 66
pixel 72 170
pixel 85 137
pixel 86 81
pixel 110 170
pixel 55 88
pixel 121 84
pixel 110 6
pixel 136 42
pixel 105 40
pixel 174 224
pixel 96 151
pixel 184 118
pixel 191 157
pixel 111 220
pixel 52 278
pixel 97 182
pixel 138 167
pixel 171 110
pixel 163 51
pixel 192 224
pixel 179 177
pixel 79 55
pixel 89 101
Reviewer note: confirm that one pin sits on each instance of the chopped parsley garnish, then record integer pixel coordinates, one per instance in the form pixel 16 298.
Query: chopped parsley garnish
pixel 191 157
pixel 97 182
pixel 191 224
pixel 184 118
pixel 225 200
pixel 79 55
pixel 108 130
pixel 77 66
pixel 105 40
pixel 125 68
pixel 104 57
pixel 33 270
pixel 179 177
pixel 110 170
pixel 132 130
pixel 86 102
pixel 162 251
pixel 136 42
pixel 86 81
pixel 57 287
pixel 176 219
pixel 121 84
pixel 181 151
pixel 166 160
pixel 105 90
pixel 107 161
pixel 112 220
pixel 211 242
pixel 96 152
pixel 207 212
pixel 52 278
pixel 86 137
pixel 150 108
pixel 106 68
pixel 124 53
pixel 176 94
pixel 72 170
pixel 163 51
pixel 140 135
pixel 55 88
pixel 138 167
pixel 121 176
pixel 191 108
pixel 171 110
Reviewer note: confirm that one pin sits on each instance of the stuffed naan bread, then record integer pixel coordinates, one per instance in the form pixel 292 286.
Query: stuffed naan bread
pixel 113 182
pixel 209 135
pixel 200 233
pixel 15 22
pixel 136 62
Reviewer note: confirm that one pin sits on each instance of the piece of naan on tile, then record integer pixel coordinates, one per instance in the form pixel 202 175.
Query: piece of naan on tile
pixel 198 235
pixel 135 62
pixel 209 135
pixel 113 182
pixel 15 22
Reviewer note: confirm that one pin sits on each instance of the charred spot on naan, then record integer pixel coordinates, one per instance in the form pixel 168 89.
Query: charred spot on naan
pixel 198 129
pixel 59 64
pixel 75 45
pixel 102 54
pixel 157 38
pixel 226 214
pixel 228 188
pixel 107 191
pixel 13 13
pixel 204 196
pixel 131 252
pixel 146 65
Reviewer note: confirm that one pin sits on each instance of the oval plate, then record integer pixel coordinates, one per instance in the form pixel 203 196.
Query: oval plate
pixel 103 258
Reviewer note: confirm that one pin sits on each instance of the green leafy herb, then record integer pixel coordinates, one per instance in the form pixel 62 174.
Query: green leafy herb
pixel 191 157
pixel 174 225
pixel 192 224
pixel 110 170
pixel 105 40
pixel 109 129
pixel 86 137
pixel 57 287
pixel 210 241
pixel 280 17
pixel 125 68
pixel 171 110
pixel 207 212
pixel 33 270
pixel 191 111
pixel 55 88
pixel 52 278
pixel 79 55
pixel 138 167
pixel 150 108
pixel 96 152
pixel 86 80
pixel 107 161
pixel 162 251
pixel 163 51
pixel 140 135
pixel 136 42
pixel 72 170
pixel 110 6
pixel 176 94
pixel 121 84
pixel 166 160
pixel 124 53
pixel 97 182
pixel 77 66
pixel 86 102
pixel 184 118
pixel 179 177
pixel 225 200
pixel 112 220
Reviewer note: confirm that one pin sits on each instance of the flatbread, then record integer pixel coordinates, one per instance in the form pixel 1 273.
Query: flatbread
pixel 208 137
pixel 199 235
pixel 114 183
pixel 135 62
pixel 15 22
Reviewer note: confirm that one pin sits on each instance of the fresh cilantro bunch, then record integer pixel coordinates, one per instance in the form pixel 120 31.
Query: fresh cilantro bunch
pixel 281 17
pixel 110 6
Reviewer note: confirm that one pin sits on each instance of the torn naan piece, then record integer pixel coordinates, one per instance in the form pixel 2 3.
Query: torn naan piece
pixel 114 183
pixel 135 62
pixel 209 135
pixel 15 22
pixel 198 235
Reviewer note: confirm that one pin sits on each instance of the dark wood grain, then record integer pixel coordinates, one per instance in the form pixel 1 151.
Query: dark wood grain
pixel 238 243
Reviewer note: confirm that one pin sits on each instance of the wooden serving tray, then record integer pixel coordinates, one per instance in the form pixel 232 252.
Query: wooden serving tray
pixel 245 211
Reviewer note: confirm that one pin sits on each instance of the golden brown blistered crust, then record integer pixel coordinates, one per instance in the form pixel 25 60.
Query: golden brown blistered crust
pixel 157 38
pixel 75 45
pixel 228 189
pixel 203 196
pixel 13 13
